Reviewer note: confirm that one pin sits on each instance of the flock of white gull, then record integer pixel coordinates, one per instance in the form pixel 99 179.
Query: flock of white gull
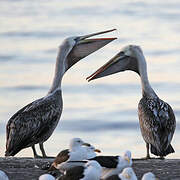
pixel 81 162
pixel 35 123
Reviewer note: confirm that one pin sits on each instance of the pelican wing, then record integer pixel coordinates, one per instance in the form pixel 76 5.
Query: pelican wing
pixel 157 122
pixel 31 124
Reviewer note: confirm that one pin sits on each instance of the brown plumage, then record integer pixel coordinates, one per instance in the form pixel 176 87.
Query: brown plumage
pixel 157 119
pixel 60 158
pixel 157 123
pixel 33 124
pixel 36 122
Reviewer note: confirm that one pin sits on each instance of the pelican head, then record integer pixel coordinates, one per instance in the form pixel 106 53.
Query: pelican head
pixel 126 59
pixel 76 48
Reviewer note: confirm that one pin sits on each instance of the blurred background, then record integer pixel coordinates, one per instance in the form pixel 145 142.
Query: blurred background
pixel 102 112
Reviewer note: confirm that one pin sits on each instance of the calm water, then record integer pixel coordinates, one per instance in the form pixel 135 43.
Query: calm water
pixel 103 112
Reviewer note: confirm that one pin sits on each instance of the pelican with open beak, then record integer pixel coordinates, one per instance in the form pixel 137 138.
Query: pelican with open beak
pixel 35 123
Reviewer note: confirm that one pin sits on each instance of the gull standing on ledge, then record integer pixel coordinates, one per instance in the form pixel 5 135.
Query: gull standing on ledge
pixel 75 152
pixel 75 157
pixel 110 164
pixel 36 122
pixel 156 117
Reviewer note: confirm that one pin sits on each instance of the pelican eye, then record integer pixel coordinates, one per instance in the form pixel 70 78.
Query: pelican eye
pixel 121 53
pixel 76 39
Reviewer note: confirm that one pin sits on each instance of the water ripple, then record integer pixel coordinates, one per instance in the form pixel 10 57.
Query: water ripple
pixel 164 52
pixel 24 88
pixel 37 34
pixel 102 88
pixel 100 125
pixel 6 57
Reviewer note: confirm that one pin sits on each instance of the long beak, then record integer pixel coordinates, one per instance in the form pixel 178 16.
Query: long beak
pixel 118 63
pixel 97 150
pixel 95 34
pixel 92 45
pixel 85 46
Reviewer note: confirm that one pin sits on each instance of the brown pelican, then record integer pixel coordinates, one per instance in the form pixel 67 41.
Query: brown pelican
pixel 156 117
pixel 36 122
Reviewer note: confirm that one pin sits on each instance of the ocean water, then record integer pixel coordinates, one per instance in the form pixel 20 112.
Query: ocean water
pixel 102 112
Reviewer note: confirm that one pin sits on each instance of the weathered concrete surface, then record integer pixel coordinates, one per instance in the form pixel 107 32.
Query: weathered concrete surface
pixel 27 168
pixel 168 169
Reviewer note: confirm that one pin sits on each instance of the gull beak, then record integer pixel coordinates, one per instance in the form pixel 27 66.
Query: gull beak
pixel 97 150
pixel 86 144
pixel 127 176
pixel 85 46
pixel 120 62
pixel 127 159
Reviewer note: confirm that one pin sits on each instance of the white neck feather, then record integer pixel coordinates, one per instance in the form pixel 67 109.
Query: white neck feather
pixel 146 87
pixel 74 147
pixel 60 68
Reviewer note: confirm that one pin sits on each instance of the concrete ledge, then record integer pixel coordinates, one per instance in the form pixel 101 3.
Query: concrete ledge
pixel 27 168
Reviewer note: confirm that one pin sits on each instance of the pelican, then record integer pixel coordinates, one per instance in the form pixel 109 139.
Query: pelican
pixel 36 122
pixel 156 117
